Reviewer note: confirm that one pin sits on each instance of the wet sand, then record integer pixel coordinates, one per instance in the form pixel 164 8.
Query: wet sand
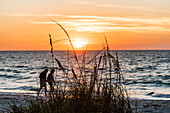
pixel 139 105
pixel 151 106
pixel 5 99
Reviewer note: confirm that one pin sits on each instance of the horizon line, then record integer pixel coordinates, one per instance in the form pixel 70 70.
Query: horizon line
pixel 89 50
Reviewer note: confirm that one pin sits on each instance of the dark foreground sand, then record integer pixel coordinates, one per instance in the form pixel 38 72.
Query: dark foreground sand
pixel 151 106
pixel 139 105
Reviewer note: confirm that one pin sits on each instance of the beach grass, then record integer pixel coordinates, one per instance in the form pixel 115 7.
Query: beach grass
pixel 94 90
pixel 90 86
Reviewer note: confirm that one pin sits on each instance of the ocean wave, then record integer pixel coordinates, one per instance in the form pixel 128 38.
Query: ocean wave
pixel 30 88
pixel 156 82
pixel 20 78
pixel 17 77
pixel 18 66
pixel 21 66
pixel 10 88
pixel 3 83
pixel 167 60
pixel 144 68
pixel 8 76
pixel 33 72
pixel 25 88
pixel 10 70
pixel 160 95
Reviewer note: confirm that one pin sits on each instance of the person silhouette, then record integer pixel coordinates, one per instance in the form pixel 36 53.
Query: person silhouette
pixel 43 81
pixel 51 81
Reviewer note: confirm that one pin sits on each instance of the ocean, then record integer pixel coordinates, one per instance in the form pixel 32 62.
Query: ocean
pixel 146 72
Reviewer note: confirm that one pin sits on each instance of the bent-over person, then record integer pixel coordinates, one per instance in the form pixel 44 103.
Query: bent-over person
pixel 43 81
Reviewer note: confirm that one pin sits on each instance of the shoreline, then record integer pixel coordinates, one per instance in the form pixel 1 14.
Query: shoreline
pixel 139 105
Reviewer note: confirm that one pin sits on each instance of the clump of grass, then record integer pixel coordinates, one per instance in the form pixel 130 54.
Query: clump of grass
pixel 97 89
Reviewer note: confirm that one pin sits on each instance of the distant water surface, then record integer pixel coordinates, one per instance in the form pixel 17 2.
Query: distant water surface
pixel 146 73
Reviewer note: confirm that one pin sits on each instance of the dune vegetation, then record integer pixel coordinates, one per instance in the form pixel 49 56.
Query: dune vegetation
pixel 90 86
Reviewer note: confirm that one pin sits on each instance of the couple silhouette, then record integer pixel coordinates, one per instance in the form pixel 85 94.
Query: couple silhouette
pixel 44 78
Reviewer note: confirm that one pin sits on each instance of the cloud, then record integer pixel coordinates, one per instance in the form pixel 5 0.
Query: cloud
pixel 99 4
pixel 82 23
pixel 32 15
pixel 50 22
pixel 117 5
pixel 86 23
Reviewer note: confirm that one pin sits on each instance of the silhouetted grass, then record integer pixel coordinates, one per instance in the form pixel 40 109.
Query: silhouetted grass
pixel 97 89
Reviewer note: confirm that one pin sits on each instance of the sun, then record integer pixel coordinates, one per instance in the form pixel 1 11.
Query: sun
pixel 79 43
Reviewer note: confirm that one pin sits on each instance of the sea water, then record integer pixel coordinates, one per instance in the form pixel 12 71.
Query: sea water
pixel 146 72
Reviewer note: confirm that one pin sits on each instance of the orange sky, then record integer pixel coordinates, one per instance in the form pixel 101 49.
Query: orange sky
pixel 127 24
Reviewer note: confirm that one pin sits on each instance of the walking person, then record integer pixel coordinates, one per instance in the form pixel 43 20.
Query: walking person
pixel 51 81
pixel 43 81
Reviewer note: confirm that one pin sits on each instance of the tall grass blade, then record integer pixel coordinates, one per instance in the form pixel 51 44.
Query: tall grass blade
pixel 52 52
pixel 70 44
pixel 74 74
pixel 60 65
pixel 95 56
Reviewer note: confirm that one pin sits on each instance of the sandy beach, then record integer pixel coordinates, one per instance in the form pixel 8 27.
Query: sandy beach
pixel 7 98
pixel 151 106
pixel 139 105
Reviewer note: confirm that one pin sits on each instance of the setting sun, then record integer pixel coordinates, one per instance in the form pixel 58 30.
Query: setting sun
pixel 79 43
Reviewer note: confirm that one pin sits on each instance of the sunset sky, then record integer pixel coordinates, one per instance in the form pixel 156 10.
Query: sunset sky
pixel 127 24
